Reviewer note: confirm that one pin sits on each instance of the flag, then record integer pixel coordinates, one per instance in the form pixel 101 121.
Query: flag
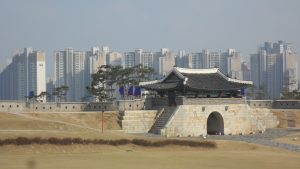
pixel 121 90
pixel 137 91
pixel 242 91
pixel 130 91
pixel 31 94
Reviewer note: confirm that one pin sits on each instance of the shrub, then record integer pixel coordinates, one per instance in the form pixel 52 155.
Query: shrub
pixel 139 142
pixel 22 141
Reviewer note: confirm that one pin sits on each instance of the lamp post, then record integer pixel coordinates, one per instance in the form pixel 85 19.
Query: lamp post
pixel 102 121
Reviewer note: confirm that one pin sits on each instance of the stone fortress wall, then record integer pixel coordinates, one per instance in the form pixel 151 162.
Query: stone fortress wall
pixel 21 106
pixel 138 104
pixel 189 118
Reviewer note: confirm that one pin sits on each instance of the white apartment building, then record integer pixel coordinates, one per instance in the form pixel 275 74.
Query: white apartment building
pixel 143 57
pixel 94 59
pixel 166 61
pixel 70 71
pixel 182 59
pixel 24 74
pixel 128 59
pixel 229 63
pixel 114 58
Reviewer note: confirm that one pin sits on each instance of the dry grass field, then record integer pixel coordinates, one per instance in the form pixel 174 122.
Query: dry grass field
pixel 228 154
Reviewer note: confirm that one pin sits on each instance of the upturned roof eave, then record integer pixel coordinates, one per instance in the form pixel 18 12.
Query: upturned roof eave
pixel 180 71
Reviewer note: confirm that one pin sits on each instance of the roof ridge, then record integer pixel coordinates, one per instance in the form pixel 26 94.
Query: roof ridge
pixel 196 71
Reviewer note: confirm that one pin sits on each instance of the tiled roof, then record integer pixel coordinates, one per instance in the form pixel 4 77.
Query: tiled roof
pixel 196 79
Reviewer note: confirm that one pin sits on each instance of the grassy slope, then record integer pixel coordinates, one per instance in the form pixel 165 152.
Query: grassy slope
pixel 13 126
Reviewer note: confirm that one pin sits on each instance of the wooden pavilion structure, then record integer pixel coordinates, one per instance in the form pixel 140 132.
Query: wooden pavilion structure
pixel 197 83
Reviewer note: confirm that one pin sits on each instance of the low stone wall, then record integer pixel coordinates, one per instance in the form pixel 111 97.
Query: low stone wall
pixel 15 106
pixel 275 104
pixel 120 105
pixel 137 104
pixel 286 104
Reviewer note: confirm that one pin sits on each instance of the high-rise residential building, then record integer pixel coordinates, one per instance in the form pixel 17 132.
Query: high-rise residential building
pixel 143 57
pixel 78 89
pixel 128 59
pixel 162 62
pixel 228 62
pixel 182 59
pixel 166 61
pixel 274 70
pixel 70 71
pixel 195 60
pixel 246 71
pixel 50 87
pixel 114 58
pixel 234 65
pixel 94 59
pixel 26 73
pixel 204 60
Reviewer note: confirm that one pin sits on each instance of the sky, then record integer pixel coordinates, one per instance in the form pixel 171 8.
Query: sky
pixel 125 25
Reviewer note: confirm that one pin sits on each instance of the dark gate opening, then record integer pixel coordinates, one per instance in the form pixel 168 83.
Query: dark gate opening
pixel 215 124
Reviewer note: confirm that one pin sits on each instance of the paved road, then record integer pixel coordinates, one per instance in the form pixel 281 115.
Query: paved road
pixel 267 138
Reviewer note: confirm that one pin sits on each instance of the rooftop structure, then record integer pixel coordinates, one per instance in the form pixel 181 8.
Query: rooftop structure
pixel 201 81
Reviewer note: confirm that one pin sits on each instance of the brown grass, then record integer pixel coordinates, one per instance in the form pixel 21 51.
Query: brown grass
pixel 227 155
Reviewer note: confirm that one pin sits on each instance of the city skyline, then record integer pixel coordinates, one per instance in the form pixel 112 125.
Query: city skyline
pixel 126 25
pixel 50 63
pixel 273 68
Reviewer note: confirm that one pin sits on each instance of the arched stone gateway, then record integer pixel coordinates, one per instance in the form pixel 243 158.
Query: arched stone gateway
pixel 215 124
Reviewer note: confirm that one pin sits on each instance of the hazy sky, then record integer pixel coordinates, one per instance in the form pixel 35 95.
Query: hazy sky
pixel 124 25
